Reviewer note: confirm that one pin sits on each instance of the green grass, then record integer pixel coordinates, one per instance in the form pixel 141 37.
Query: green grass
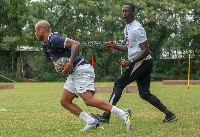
pixel 34 110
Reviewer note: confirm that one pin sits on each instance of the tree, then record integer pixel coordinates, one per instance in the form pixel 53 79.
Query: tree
pixel 170 26
pixel 12 23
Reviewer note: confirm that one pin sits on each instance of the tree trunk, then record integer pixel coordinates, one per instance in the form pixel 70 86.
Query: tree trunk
pixel 22 65
pixel 178 60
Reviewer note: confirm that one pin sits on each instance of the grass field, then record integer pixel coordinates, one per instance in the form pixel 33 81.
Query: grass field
pixel 34 110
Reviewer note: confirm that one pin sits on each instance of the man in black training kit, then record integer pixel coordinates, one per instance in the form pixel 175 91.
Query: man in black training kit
pixel 138 66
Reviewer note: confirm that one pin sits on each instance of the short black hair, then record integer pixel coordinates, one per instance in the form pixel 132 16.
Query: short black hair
pixel 130 4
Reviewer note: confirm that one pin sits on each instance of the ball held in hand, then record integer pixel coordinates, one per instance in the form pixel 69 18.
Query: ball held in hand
pixel 63 60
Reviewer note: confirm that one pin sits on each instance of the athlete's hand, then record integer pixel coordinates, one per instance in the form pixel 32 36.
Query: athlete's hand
pixel 56 70
pixel 67 68
pixel 110 45
pixel 54 63
pixel 125 63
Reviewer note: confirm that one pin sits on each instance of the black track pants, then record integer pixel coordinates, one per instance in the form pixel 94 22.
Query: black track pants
pixel 143 79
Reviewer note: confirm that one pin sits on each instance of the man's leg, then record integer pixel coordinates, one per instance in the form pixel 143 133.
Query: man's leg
pixel 83 80
pixel 143 83
pixel 122 81
pixel 90 100
pixel 66 102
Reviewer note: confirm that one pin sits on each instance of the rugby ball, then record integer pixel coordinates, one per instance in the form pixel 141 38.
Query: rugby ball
pixel 62 60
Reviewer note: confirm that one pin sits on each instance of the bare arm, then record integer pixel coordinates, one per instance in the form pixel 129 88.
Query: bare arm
pixel 143 54
pixel 75 46
pixel 110 45
pixel 122 48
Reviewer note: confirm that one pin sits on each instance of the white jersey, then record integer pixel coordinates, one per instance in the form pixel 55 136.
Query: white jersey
pixel 135 34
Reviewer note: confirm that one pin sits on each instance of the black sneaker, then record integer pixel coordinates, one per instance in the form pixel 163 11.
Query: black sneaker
pixel 170 119
pixel 100 118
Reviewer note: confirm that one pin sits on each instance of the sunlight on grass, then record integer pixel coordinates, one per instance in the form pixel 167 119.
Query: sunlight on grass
pixel 33 109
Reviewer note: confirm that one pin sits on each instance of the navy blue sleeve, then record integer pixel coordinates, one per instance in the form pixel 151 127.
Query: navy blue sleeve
pixel 58 41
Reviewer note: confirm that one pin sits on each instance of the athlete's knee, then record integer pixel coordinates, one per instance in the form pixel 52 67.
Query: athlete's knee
pixel 118 86
pixel 145 95
pixel 64 103
pixel 116 83
pixel 88 102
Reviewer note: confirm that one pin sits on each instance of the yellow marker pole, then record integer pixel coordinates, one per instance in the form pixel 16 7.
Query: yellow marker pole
pixel 189 72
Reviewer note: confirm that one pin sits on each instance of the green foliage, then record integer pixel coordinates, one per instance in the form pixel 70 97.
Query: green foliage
pixel 171 26
pixel 168 69
pixel 50 77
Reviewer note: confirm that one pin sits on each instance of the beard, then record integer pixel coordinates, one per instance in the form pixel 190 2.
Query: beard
pixel 40 38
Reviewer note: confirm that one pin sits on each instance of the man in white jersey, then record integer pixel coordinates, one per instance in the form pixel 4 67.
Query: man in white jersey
pixel 138 66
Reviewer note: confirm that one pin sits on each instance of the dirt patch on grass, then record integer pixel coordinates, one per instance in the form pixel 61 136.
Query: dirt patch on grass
pixel 7 86
pixel 109 89
pixel 181 82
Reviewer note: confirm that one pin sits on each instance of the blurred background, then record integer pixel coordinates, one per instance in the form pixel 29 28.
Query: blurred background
pixel 173 31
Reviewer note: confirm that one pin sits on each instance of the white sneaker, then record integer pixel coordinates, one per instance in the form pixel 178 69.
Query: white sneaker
pixel 128 121
pixel 91 125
